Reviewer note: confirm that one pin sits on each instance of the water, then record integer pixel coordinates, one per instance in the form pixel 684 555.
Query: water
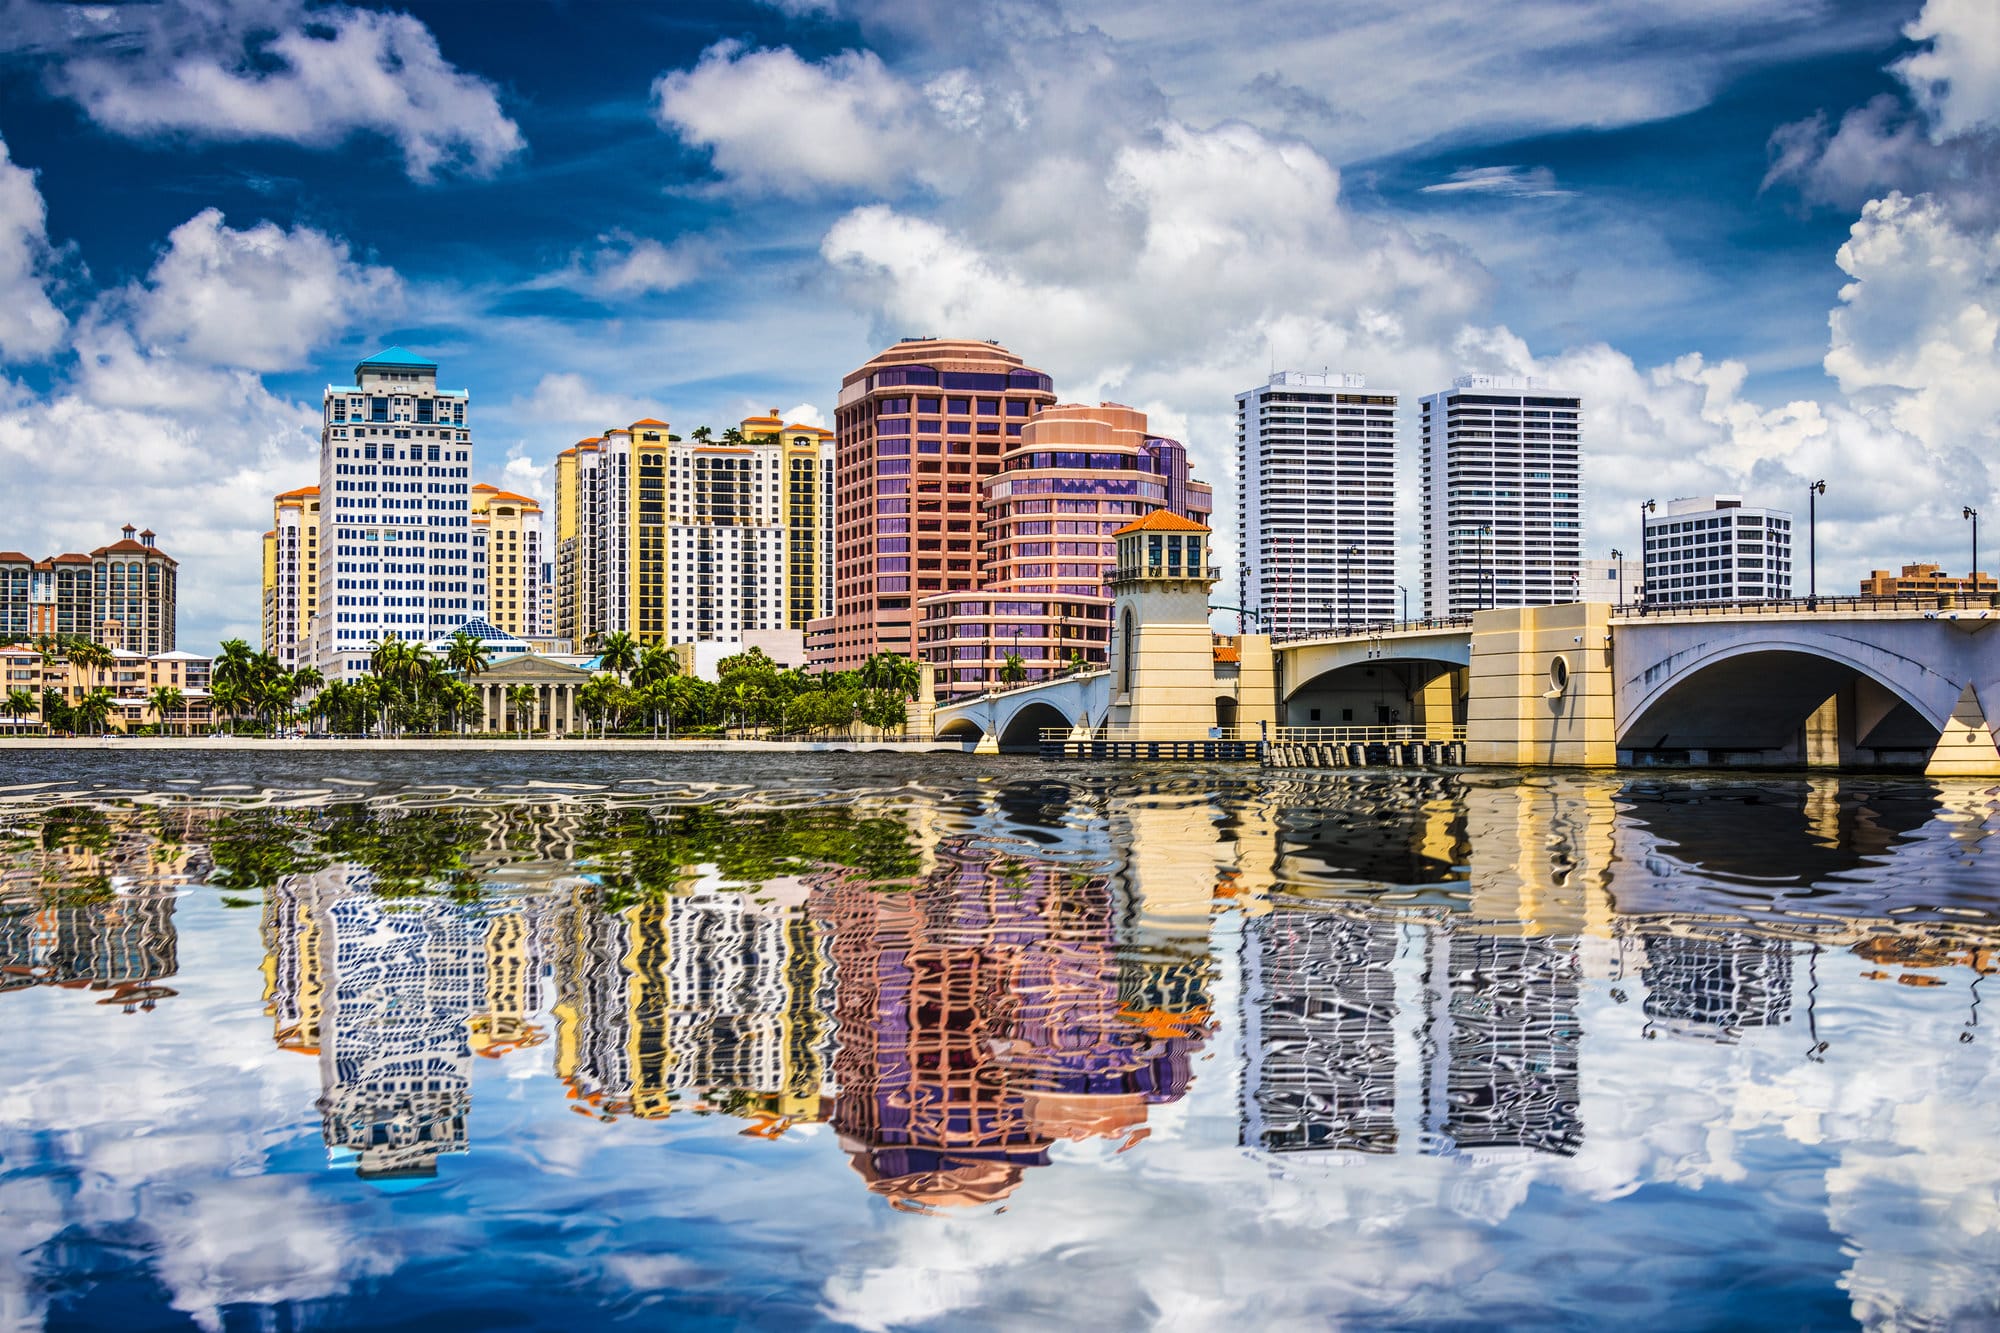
pixel 881 1042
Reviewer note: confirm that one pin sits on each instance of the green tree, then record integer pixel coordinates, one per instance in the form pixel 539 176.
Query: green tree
pixel 22 705
pixel 618 654
pixel 527 705
pixel 465 655
pixel 94 710
pixel 166 701
pixel 1013 669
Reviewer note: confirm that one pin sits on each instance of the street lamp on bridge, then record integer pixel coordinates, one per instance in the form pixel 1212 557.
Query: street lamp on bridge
pixel 1618 568
pixel 1813 492
pixel 1645 552
pixel 1972 575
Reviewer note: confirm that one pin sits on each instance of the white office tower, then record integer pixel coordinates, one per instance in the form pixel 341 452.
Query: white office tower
pixel 395 475
pixel 1316 502
pixel 1711 549
pixel 1503 495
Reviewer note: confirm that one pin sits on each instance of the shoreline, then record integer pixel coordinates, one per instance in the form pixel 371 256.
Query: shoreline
pixel 468 744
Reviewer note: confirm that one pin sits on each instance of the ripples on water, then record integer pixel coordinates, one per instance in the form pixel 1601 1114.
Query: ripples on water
pixel 894 1042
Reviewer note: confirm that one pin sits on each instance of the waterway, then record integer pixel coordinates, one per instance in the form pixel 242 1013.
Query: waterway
pixel 878 1041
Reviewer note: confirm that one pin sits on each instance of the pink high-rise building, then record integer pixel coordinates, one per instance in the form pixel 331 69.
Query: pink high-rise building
pixel 916 429
pixel 1074 477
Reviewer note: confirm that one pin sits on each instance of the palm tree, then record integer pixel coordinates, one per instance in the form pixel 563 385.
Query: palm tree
pixel 526 701
pixel 94 709
pixel 1013 670
pixel 655 664
pixel 618 654
pixel 165 700
pixel 21 704
pixel 465 655
pixel 700 434
pixel 227 696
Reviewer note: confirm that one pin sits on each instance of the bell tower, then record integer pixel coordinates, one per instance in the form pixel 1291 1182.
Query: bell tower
pixel 1162 654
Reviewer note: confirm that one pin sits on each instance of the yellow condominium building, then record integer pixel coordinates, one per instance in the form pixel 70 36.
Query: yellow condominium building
pixel 291 576
pixel 513 527
pixel 677 540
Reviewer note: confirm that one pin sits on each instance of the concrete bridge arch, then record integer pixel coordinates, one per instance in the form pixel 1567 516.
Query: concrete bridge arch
pixel 1015 719
pixel 1752 690
pixel 1406 678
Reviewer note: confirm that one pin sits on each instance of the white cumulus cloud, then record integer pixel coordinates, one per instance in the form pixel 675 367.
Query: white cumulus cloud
pixel 777 124
pixel 236 70
pixel 259 299
pixel 30 324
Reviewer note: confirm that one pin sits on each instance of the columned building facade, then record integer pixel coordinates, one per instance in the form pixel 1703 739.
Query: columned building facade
pixel 1502 495
pixel 1316 503
pixel 917 428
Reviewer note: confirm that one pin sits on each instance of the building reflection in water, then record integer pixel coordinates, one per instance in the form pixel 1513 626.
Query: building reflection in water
pixel 87 902
pixel 989 1012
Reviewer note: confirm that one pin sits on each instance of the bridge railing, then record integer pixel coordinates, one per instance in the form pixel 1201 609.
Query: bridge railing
pixel 1401 734
pixel 996 691
pixel 1860 604
pixel 1052 735
pixel 1377 630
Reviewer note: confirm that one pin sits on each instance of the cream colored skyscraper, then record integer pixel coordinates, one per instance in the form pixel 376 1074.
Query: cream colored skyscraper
pixel 513 526
pixel 677 540
pixel 291 576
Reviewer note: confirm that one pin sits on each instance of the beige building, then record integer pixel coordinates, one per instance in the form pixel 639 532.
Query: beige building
pixel 677 540
pixel 291 576
pixel 512 525
pixel 122 595
pixel 1925 581
pixel 131 679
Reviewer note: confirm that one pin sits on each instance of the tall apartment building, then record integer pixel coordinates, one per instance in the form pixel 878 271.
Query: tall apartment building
pixel 512 525
pixel 1316 502
pixel 123 595
pixel 1711 548
pixel 1075 475
pixel 916 428
pixel 291 576
pixel 677 541
pixel 396 549
pixel 1502 495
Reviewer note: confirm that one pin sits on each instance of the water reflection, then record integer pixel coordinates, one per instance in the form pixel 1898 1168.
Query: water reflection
pixel 1455 1016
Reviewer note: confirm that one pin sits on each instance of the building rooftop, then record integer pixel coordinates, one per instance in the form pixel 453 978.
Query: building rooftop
pixel 1162 520
pixel 397 358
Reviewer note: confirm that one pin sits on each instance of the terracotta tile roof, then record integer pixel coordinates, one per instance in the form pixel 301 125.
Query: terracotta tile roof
pixel 649 421
pixel 1162 520
pixel 15 557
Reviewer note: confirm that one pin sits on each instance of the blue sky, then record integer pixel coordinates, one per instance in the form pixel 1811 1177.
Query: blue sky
pixel 1758 235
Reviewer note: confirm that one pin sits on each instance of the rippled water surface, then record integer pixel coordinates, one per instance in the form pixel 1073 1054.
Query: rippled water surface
pixel 725 1040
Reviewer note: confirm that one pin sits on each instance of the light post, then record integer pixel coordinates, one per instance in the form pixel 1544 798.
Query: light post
pixel 1618 568
pixel 1972 575
pixel 1645 553
pixel 1406 602
pixel 1813 492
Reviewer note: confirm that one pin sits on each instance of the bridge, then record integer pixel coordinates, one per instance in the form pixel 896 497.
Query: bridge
pixel 1847 682
pixel 1015 717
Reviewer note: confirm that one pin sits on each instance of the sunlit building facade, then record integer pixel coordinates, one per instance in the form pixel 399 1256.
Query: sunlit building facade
pixel 512 526
pixel 917 428
pixel 396 543
pixel 1502 500
pixel 124 595
pixel 291 576
pixel 1316 502
pixel 1074 476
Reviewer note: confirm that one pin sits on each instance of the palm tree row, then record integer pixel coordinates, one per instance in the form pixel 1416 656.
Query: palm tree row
pixel 244 681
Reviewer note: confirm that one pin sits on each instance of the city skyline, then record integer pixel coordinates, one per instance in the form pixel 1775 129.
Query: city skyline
pixel 1756 242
